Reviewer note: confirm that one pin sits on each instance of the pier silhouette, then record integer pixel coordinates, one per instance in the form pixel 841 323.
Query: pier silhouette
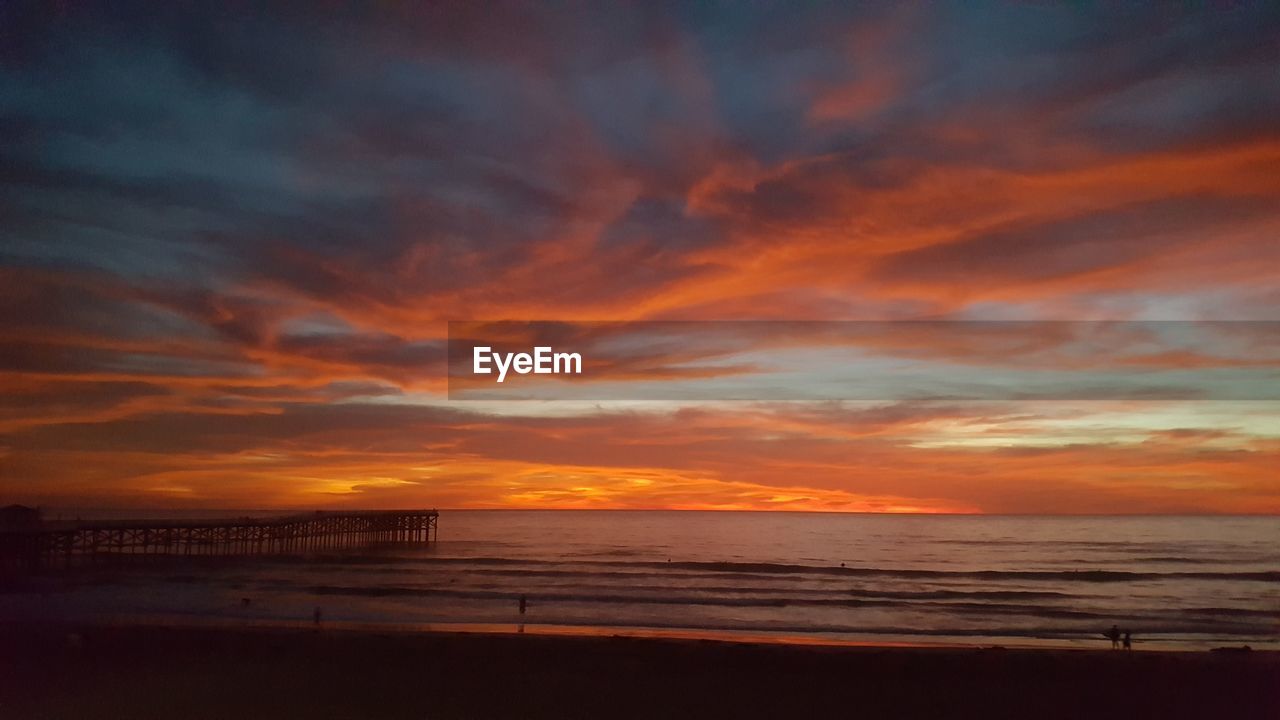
pixel 34 546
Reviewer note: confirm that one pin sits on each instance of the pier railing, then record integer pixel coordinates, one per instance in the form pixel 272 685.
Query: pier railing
pixel 52 544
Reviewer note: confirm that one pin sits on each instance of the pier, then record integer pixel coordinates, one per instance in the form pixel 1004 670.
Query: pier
pixel 39 545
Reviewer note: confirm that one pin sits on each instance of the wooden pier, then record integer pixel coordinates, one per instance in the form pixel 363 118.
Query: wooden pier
pixel 29 549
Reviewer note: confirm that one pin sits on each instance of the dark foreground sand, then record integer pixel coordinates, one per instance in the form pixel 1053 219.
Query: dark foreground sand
pixel 153 672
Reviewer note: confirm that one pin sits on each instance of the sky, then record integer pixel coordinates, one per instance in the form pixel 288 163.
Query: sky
pixel 232 237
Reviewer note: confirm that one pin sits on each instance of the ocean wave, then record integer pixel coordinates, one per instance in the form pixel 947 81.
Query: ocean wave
pixel 840 592
pixel 1233 612
pixel 764 594
pixel 730 570
pixel 962 608
pixel 771 568
pixel 1068 575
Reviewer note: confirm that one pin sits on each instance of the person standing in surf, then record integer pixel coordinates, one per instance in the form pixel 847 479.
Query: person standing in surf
pixel 1114 636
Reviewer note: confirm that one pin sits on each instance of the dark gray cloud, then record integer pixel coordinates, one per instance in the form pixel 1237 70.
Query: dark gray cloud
pixel 1076 245
pixel 215 206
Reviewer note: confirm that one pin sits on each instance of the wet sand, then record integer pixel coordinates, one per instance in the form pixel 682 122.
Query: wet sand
pixel 179 673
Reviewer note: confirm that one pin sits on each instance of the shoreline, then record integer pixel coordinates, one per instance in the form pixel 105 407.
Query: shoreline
pixel 781 638
pixel 55 670
pixel 552 629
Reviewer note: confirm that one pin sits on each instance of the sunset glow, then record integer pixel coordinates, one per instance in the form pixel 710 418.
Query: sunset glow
pixel 229 255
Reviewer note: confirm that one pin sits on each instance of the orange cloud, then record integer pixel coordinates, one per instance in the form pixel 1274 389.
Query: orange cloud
pixel 249 307
pixel 800 457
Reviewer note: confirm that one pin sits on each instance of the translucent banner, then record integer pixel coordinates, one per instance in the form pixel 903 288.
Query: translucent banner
pixel 864 360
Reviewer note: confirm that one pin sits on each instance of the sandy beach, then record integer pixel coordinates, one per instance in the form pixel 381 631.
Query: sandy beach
pixel 54 671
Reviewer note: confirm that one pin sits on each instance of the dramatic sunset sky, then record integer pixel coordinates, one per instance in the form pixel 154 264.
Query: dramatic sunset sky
pixel 230 244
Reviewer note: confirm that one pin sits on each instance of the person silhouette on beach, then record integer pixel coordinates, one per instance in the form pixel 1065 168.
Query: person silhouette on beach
pixel 1128 640
pixel 524 604
pixel 1114 636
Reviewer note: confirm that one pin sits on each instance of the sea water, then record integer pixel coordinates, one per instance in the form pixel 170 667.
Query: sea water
pixel 1174 582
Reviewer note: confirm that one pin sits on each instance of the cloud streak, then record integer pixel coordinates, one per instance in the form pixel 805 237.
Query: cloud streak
pixel 231 242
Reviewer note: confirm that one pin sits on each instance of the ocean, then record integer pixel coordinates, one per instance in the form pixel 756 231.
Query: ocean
pixel 1174 582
